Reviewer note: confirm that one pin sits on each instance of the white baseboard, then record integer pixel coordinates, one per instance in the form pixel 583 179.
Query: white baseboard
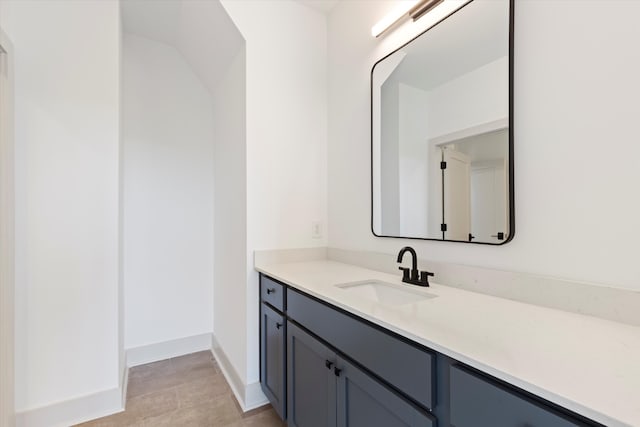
pixel 249 396
pixel 124 385
pixel 107 402
pixel 79 410
pixel 254 397
pixel 74 411
pixel 168 349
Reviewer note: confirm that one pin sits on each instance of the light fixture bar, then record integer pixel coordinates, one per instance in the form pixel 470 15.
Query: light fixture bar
pixel 396 14
pixel 422 8
pixel 413 8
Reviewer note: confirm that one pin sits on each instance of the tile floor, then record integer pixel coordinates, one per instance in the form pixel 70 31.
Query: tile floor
pixel 187 391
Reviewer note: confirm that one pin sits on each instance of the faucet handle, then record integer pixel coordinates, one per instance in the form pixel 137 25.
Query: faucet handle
pixel 424 277
pixel 405 273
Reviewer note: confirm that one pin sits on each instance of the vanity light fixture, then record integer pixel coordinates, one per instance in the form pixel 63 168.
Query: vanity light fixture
pixel 413 8
pixel 396 14
pixel 423 7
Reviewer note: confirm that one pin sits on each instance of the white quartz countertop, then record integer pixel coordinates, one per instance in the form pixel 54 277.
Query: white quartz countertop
pixel 585 364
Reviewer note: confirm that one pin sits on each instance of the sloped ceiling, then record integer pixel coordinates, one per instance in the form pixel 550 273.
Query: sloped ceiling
pixel 474 36
pixel 324 6
pixel 201 31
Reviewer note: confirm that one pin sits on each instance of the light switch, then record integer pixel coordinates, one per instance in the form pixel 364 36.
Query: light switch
pixel 316 229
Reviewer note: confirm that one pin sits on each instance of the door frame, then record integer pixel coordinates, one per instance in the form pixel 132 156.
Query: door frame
pixel 7 209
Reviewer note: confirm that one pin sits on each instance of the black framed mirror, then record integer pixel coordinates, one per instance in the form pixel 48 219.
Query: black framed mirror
pixel 442 131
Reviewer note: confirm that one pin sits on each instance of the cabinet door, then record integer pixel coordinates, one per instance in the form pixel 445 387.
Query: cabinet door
pixel 364 402
pixel 273 358
pixel 406 367
pixel 311 381
pixel 478 401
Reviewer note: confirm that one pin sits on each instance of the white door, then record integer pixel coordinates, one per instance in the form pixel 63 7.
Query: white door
pixel 6 235
pixel 456 195
pixel 488 203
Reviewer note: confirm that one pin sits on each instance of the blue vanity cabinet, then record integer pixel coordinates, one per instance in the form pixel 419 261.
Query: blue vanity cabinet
pixel 311 386
pixel 365 402
pixel 325 390
pixel 272 292
pixel 404 365
pixel 273 359
pixel 345 372
pixel 336 369
pixel 476 400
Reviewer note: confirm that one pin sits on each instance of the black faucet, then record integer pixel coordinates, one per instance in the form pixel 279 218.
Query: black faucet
pixel 414 277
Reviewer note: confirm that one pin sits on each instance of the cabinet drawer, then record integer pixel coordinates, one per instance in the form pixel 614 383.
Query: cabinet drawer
pixel 479 401
pixel 272 292
pixel 407 367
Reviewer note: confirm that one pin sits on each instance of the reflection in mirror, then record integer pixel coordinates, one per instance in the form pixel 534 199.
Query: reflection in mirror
pixel 441 137
pixel 475 193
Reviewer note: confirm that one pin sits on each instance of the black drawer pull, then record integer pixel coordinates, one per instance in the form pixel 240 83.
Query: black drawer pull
pixel 328 364
pixel 271 290
pixel 337 371
pixel 278 325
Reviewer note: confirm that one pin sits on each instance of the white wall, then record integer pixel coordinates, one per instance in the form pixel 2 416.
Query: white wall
pixel 383 181
pixel 576 92
pixel 168 195
pixel 200 30
pixel 389 157
pixel 66 133
pixel 478 97
pixel 230 311
pixel 286 115
pixel 7 243
pixel 413 161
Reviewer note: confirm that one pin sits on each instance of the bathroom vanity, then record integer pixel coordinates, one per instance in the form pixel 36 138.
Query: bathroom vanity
pixel 341 345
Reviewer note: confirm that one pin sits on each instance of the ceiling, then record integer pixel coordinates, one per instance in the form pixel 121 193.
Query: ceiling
pixel 156 20
pixel 472 37
pixel 201 31
pixel 324 6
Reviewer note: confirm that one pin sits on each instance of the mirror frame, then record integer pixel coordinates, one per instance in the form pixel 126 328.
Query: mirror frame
pixel 511 202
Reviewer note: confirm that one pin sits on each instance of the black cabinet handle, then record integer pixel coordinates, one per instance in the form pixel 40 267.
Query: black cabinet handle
pixel 271 290
pixel 278 325
pixel 337 371
pixel 328 364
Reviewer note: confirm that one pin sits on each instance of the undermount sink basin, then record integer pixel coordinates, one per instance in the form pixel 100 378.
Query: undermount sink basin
pixel 384 293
